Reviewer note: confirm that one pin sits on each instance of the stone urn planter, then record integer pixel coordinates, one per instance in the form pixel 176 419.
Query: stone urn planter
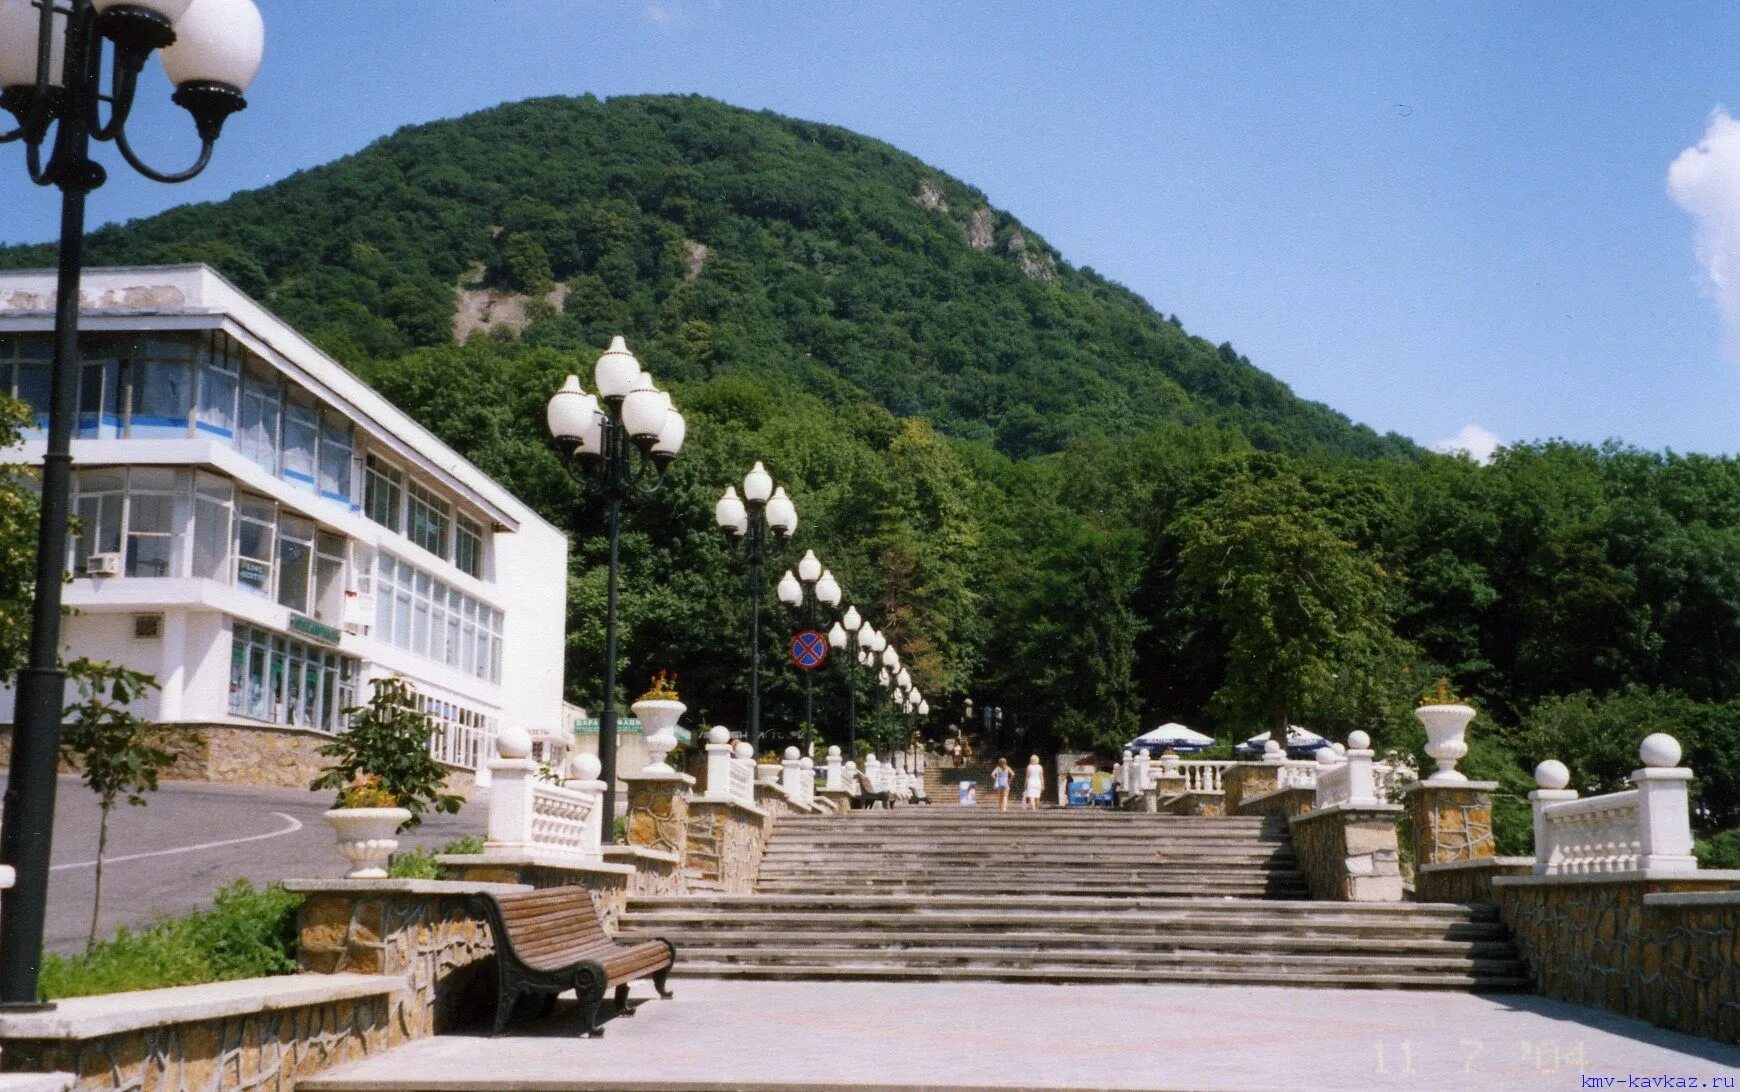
pixel 1446 725
pixel 658 720
pixel 768 773
pixel 367 838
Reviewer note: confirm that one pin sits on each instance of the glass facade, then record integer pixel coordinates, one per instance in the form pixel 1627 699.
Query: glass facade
pixel 414 611
pixel 285 681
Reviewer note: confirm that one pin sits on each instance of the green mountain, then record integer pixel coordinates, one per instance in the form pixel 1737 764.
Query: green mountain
pixel 722 239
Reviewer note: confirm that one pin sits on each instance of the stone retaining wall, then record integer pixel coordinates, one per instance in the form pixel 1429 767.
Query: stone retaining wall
pixel 426 930
pixel 1286 803
pixel 1248 779
pixel 1662 950
pixel 608 884
pixel 1348 852
pixel 266 755
pixel 1198 803
pixel 741 834
pixel 1466 880
pixel 260 1034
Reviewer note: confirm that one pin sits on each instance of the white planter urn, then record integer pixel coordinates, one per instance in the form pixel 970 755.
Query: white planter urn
pixel 1445 727
pixel 768 773
pixel 367 838
pixel 658 720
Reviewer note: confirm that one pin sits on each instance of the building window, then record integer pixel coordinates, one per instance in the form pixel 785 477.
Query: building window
pixel 429 519
pixel 274 678
pixel 329 586
pixel 256 527
pixel 257 437
pixel 301 438
pixel 214 502
pixel 151 522
pixel 26 365
pixel 466 737
pixel 335 457
pixel 161 377
pixel 384 485
pixel 468 546
pixel 99 394
pixel 220 383
pixel 101 501
pixel 418 613
pixel 295 562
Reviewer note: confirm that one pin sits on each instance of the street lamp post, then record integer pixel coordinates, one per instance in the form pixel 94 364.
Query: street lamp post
pixel 51 75
pixel 616 444
pixel 811 584
pixel 851 630
pixel 737 518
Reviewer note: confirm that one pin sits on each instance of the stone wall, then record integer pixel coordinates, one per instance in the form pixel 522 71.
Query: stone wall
pixel 1662 950
pixel 427 930
pixel 1198 803
pixel 608 884
pixel 266 755
pixel 655 873
pixel 262 1035
pixel 1348 852
pixel 1248 779
pixel 1466 881
pixel 1452 822
pixel 740 835
pixel 1286 803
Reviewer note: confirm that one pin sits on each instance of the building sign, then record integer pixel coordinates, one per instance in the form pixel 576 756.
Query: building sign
pixel 249 571
pixel 308 627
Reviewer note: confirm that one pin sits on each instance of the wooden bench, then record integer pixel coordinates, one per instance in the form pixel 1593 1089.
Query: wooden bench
pixel 868 797
pixel 550 941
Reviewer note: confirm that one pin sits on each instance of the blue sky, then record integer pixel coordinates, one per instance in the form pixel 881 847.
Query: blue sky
pixel 1430 219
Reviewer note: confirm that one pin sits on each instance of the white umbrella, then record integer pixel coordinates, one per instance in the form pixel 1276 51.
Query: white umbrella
pixel 1172 734
pixel 1296 737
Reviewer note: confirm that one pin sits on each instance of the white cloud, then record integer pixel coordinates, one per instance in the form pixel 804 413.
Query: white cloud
pixel 663 14
pixel 1705 181
pixel 1476 442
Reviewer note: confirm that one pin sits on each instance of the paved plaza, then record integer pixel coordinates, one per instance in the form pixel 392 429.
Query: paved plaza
pixel 993 1035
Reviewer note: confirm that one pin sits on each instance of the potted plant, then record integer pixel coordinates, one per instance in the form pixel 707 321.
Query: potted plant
pixel 1445 718
pixel 658 711
pixel 768 768
pixel 384 775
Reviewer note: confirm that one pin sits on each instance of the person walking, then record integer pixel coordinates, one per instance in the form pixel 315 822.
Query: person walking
pixel 1035 785
pixel 1001 775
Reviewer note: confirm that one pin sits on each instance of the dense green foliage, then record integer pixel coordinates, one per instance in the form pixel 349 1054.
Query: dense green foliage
pixel 246 934
pixel 18 530
pixel 385 753
pixel 1051 497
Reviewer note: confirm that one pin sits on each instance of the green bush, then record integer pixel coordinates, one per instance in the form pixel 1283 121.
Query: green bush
pixel 1719 850
pixel 247 933
pixel 420 864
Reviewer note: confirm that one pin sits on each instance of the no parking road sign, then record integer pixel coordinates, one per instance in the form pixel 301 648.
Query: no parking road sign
pixel 809 649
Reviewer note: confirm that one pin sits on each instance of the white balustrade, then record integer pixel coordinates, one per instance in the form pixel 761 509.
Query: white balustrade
pixel 836 770
pixel 1645 828
pixel 1200 775
pixel 527 814
pixel 807 781
pixel 1295 774
pixel 1345 775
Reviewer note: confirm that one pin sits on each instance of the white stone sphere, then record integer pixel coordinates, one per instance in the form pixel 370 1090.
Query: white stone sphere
pixel 1325 756
pixel 1358 741
pixel 850 765
pixel 1659 750
pixel 806 762
pixel 513 742
pixel 791 754
pixel 1338 748
pixel 1552 774
pixel 1271 747
pixel 833 752
pixel 718 734
pixel 585 767
pixel 743 749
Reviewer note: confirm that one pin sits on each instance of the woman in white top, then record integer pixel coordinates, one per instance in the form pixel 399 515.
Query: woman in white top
pixel 1035 785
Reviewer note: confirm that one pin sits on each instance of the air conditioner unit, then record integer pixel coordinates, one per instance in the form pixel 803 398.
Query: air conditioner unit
pixel 103 565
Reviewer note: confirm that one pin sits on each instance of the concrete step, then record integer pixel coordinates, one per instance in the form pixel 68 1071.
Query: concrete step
pixel 1277 935
pixel 1277 909
pixel 1184 888
pixel 1197 975
pixel 1232 945
pixel 990 957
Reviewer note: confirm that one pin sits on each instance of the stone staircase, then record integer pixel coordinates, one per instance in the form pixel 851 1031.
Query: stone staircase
pixel 942 784
pixel 1063 896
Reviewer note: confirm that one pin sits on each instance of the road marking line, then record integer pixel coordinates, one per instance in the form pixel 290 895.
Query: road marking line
pixel 295 825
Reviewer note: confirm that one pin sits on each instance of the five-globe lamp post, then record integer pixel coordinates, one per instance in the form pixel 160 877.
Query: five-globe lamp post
pixel 747 522
pixel 850 637
pixel 51 80
pixel 801 591
pixel 616 443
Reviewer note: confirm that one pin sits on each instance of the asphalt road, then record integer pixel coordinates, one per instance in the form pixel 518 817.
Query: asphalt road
pixel 170 856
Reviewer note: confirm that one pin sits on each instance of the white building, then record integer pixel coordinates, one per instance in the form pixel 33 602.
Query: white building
pixel 264 533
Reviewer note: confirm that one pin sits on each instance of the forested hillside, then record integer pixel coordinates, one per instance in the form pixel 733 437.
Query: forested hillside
pixel 1052 497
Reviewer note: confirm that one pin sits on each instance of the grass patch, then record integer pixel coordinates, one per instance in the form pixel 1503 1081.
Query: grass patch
pixel 246 934
pixel 420 864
